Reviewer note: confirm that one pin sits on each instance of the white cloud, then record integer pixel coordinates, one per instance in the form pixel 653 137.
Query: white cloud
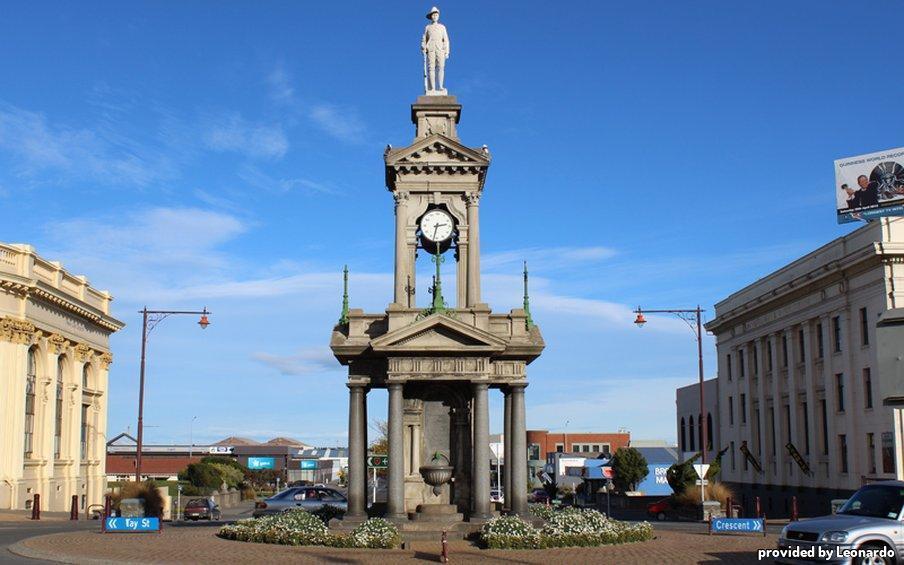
pixel 306 361
pixel 545 258
pixel 236 134
pixel 280 85
pixel 41 150
pixel 340 122
pixel 261 180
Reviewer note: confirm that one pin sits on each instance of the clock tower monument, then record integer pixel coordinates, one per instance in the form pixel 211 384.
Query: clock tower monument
pixel 439 361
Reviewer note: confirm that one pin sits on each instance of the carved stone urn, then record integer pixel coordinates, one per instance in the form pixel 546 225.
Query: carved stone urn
pixel 437 474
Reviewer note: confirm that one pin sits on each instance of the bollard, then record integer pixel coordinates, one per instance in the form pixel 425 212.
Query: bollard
pixel 728 508
pixel 108 504
pixel 444 556
pixel 36 508
pixel 757 510
pixel 794 513
pixel 73 508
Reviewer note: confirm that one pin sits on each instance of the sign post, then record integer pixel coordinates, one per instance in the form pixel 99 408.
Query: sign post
pixel 701 469
pixel 377 462
pixel 119 525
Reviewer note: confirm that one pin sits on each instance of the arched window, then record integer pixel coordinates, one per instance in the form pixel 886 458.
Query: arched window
pixel 691 428
pixel 30 380
pixel 85 375
pixel 709 431
pixel 683 438
pixel 700 430
pixel 58 426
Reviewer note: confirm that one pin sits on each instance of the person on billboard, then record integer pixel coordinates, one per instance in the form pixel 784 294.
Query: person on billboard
pixel 851 195
pixel 868 194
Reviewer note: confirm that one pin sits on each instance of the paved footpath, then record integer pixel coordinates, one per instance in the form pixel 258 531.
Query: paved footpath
pixel 200 545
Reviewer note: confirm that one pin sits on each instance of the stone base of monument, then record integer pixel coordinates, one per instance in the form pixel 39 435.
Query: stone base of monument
pixel 436 513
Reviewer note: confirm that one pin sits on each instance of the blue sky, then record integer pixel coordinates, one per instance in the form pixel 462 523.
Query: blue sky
pixel 183 154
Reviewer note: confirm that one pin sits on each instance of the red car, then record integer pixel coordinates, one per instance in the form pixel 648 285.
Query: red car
pixel 661 509
pixel 201 509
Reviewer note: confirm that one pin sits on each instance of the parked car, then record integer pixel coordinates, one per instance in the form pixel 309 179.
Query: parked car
pixel 539 496
pixel 305 498
pixel 870 519
pixel 201 509
pixel 662 509
pixel 496 496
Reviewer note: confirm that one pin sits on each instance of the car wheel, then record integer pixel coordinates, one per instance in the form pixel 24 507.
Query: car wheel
pixel 660 516
pixel 876 560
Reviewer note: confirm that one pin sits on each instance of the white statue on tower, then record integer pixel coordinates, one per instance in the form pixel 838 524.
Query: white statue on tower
pixel 435 47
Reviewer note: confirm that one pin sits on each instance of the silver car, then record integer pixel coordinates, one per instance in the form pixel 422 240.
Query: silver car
pixel 872 519
pixel 304 498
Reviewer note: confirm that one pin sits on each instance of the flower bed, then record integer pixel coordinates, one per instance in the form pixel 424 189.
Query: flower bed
pixel 297 527
pixel 567 528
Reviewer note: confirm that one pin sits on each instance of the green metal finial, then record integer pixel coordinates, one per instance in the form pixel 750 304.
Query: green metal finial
pixel 343 317
pixel 528 322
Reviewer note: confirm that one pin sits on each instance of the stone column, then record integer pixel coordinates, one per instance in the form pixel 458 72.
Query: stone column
pixel 480 474
pixel 396 497
pixel 518 495
pixel 357 449
pixel 401 248
pixel 473 249
pixel 507 448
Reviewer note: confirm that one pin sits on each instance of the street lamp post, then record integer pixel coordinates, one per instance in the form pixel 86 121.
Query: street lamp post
pixel 150 319
pixel 693 320
pixel 191 437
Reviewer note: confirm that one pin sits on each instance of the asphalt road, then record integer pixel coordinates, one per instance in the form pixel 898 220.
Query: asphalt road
pixel 13 532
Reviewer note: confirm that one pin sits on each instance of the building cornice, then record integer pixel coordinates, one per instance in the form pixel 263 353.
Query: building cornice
pixel 24 332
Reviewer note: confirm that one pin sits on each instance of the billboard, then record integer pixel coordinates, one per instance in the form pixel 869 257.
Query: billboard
pixel 308 464
pixel 257 463
pixel 870 186
pixel 656 482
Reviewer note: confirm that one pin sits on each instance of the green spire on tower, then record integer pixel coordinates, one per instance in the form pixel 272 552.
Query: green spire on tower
pixel 528 322
pixel 343 317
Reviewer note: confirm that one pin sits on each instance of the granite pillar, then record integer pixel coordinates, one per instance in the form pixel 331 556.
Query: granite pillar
pixel 473 249
pixel 507 448
pixel 401 249
pixel 396 496
pixel 518 503
pixel 480 475
pixel 357 452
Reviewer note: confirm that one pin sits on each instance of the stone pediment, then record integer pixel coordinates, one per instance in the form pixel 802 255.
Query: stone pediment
pixel 437 150
pixel 438 334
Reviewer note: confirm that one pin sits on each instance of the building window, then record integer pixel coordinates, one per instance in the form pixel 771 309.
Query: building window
pixel 864 327
pixel 741 371
pixel 801 345
pixel 560 448
pixel 871 453
pixel 534 452
pixel 839 391
pixel 709 431
pixel 743 404
pixel 820 346
pixel 756 360
pixel 825 426
pixel 85 375
pixel 690 428
pixel 806 428
pixel 732 457
pixel 888 452
pixel 842 458
pixel 728 365
pixel 836 334
pixel 683 436
pixel 867 389
pixel 787 423
pixel 784 350
pixel 768 356
pixel 606 449
pixel 30 378
pixel 85 428
pixel 759 431
pixel 58 425
pixel 730 410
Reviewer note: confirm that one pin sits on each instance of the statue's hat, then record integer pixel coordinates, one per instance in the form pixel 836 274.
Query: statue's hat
pixel 433 10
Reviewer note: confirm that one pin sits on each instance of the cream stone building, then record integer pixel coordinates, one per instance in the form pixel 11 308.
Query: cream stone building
pixel 800 408
pixel 54 359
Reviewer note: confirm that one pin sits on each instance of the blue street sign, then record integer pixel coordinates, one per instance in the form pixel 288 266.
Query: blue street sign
pixel 130 525
pixel 743 525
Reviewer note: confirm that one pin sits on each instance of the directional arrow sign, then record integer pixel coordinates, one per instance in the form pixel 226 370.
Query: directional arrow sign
pixel 701 469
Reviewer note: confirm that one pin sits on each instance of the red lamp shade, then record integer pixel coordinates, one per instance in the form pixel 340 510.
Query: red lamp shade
pixel 640 320
pixel 203 322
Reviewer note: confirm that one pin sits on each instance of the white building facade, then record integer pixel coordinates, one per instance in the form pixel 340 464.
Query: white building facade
pixel 692 422
pixel 798 379
pixel 54 359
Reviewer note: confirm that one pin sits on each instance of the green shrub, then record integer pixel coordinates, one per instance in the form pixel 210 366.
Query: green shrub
pixel 509 532
pixel 203 476
pixel 630 467
pixel 327 512
pixel 541 511
pixel 375 533
pixel 229 475
pixel 153 500
pixel 569 528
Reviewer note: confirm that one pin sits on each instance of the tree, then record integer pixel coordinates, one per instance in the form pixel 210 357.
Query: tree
pixel 203 476
pixel 381 443
pixel 682 475
pixel 630 467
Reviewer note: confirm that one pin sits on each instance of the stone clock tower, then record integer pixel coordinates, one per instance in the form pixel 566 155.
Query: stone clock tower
pixel 440 360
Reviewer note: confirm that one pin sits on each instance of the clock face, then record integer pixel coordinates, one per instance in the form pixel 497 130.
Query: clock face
pixel 436 226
